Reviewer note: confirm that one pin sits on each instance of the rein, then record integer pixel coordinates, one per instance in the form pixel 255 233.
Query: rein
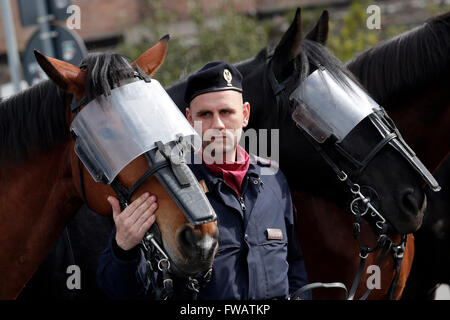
pixel 359 206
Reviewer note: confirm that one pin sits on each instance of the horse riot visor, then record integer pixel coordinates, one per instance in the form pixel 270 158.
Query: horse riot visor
pixel 326 107
pixel 139 118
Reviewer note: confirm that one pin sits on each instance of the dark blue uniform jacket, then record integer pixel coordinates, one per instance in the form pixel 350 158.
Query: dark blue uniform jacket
pixel 249 264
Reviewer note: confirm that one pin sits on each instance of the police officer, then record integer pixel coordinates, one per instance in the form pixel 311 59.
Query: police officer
pixel 259 255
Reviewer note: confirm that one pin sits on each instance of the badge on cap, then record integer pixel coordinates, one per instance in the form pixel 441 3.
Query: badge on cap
pixel 227 76
pixel 274 234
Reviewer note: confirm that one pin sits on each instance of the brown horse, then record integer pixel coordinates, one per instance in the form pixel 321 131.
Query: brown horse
pixel 39 173
pixel 407 79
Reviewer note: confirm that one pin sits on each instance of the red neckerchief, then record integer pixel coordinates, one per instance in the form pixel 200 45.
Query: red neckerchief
pixel 232 173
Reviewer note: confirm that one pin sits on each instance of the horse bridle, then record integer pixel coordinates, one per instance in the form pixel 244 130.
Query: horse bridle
pixel 361 204
pixel 161 158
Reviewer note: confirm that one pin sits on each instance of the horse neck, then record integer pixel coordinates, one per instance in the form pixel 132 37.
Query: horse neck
pixel 330 251
pixel 412 85
pixel 425 128
pixel 38 198
pixel 176 92
pixel 426 269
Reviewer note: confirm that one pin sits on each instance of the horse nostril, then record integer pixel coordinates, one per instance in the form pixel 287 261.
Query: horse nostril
pixel 187 239
pixel 409 202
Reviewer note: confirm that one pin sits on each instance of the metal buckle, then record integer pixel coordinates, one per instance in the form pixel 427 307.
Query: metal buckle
pixel 193 285
pixel 356 190
pixel 167 283
pixel 343 177
pixel 163 264
pixel 398 251
pixel 365 256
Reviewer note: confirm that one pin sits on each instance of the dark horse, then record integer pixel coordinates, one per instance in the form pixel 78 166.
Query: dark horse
pixel 330 252
pixel 396 193
pixel 42 182
pixel 408 75
pixel 431 265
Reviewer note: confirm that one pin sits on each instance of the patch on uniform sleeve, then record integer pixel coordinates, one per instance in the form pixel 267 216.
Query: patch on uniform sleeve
pixel 263 162
pixel 268 166
pixel 202 184
pixel 274 234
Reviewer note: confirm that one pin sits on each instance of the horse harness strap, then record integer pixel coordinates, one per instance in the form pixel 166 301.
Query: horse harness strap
pixel 315 285
pixel 158 262
pixel 276 86
pixel 361 165
pixel 397 253
pixel 385 244
pixel 363 256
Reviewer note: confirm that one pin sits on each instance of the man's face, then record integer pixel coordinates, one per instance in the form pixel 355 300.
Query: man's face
pixel 222 115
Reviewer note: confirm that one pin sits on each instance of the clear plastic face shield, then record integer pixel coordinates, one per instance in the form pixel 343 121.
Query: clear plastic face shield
pixel 111 131
pixel 324 107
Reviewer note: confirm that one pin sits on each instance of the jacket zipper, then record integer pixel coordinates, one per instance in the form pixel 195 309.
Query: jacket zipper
pixel 241 198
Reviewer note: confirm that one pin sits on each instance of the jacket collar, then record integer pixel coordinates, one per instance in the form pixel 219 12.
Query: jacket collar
pixel 202 173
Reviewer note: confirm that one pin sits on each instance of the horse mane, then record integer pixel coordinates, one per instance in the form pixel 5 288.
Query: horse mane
pixel 248 65
pixel 411 60
pixel 314 54
pixel 35 119
pixel 32 118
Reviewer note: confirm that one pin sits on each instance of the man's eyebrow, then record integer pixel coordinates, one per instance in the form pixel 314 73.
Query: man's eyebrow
pixel 220 109
pixel 201 111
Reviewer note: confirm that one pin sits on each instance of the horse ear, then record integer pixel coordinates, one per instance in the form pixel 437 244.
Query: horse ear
pixel 67 76
pixel 289 46
pixel 320 31
pixel 152 59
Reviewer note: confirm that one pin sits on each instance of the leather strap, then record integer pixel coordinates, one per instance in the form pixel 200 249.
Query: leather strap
pixel 380 260
pixel 297 294
pixel 357 279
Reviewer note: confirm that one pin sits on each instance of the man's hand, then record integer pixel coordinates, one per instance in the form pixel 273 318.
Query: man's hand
pixel 134 221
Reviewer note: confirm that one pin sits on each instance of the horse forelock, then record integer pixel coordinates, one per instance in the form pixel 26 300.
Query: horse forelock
pixel 312 55
pixel 105 71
